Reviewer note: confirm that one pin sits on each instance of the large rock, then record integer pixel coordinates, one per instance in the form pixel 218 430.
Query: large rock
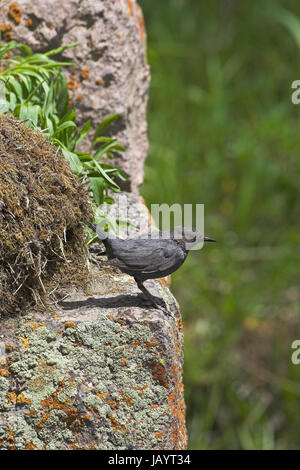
pixel 103 370
pixel 110 73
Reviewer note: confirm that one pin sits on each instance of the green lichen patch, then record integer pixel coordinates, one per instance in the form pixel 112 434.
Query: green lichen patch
pixel 100 383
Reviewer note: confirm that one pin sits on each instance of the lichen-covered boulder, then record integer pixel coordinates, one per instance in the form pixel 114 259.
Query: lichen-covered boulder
pixel 101 375
pixel 103 370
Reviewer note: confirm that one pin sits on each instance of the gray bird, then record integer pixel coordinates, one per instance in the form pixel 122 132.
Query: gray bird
pixel 150 256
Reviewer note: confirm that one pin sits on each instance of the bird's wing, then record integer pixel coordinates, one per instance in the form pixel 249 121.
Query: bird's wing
pixel 147 256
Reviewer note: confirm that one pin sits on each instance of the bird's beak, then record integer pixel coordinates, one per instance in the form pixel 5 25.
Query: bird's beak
pixel 207 239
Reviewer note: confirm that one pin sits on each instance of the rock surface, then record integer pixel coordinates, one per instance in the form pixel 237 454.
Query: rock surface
pixel 103 370
pixel 110 73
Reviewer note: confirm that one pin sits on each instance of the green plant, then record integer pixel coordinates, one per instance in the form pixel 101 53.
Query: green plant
pixel 35 89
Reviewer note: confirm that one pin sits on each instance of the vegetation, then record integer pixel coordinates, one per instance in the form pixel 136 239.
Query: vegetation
pixel 35 90
pixel 224 132
pixel 43 212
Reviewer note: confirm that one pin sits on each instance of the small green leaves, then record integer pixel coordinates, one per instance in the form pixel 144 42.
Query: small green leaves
pixel 103 126
pixel 96 185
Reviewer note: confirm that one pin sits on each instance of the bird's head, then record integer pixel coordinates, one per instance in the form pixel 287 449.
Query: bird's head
pixel 192 238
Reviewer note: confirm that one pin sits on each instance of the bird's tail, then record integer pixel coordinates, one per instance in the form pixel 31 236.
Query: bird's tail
pixel 92 226
pixel 102 235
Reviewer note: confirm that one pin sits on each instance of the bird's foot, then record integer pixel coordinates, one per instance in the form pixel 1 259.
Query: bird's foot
pixel 164 309
pixel 152 301
pixel 151 297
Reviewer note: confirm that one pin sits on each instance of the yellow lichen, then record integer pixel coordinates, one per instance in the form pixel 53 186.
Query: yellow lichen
pixel 15 12
pixel 85 73
pixel 25 342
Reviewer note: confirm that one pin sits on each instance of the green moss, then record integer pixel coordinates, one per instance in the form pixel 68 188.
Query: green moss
pixel 43 208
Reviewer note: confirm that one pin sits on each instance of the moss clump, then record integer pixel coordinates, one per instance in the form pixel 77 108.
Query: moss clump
pixel 43 208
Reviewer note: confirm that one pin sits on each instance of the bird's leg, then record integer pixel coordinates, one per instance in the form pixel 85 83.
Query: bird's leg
pixel 150 297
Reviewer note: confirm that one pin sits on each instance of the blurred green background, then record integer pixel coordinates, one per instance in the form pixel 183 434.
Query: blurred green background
pixel 224 132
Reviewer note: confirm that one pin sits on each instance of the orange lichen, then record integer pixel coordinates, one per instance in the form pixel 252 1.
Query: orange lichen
pixel 130 6
pixel 141 23
pixel 25 342
pixel 72 83
pixel 128 400
pixel 121 321
pixel 6 29
pixel 9 440
pixel 70 324
pixel 164 282
pixel 141 389
pixel 29 445
pixel 33 325
pixel 159 435
pixel 74 447
pixel 118 426
pixel 74 419
pixel 4 373
pixel 28 22
pixel 101 395
pixel 113 404
pixel 79 97
pixel 11 397
pixel 179 323
pixel 99 81
pixel 85 73
pixel 150 344
pixel 15 12
pixel 22 400
pixel 176 402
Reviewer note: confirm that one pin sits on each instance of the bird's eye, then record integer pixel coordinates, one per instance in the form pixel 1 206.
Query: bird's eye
pixel 191 237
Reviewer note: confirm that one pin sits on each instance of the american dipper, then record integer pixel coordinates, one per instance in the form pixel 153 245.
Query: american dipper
pixel 150 256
